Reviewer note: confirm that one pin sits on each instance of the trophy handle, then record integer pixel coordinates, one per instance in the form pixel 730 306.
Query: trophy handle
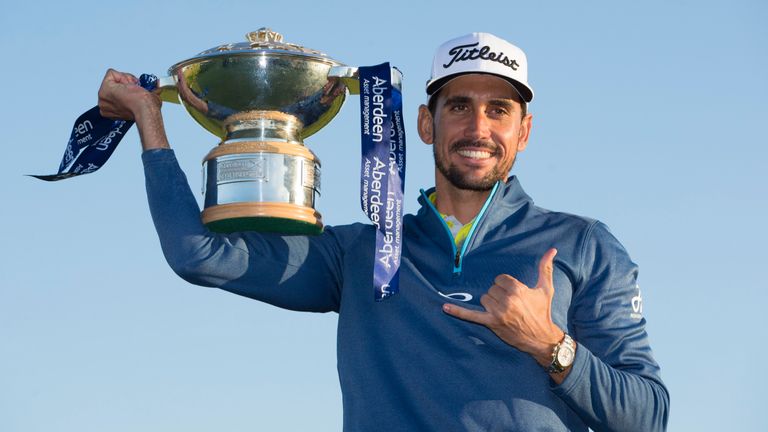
pixel 169 91
pixel 349 77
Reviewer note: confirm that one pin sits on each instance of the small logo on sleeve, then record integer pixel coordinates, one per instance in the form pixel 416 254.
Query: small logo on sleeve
pixel 637 305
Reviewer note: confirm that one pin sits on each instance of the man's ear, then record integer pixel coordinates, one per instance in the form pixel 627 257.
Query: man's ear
pixel 426 125
pixel 525 132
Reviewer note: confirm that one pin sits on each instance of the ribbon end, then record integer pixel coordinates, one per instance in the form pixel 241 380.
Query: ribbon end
pixel 51 177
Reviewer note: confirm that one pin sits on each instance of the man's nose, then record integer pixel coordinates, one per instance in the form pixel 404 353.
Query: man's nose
pixel 479 126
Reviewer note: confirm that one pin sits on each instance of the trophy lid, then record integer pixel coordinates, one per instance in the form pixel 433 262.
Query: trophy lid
pixel 261 41
pixel 229 86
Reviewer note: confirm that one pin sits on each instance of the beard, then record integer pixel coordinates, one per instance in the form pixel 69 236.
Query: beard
pixel 462 181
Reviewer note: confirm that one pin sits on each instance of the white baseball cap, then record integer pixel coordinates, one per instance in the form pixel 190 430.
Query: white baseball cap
pixel 480 53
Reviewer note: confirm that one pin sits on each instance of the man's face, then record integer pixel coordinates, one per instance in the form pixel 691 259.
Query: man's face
pixel 476 131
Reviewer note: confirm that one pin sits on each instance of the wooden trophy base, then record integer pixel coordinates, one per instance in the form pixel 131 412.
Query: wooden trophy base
pixel 282 218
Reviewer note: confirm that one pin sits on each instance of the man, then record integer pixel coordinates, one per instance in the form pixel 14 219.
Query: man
pixel 494 328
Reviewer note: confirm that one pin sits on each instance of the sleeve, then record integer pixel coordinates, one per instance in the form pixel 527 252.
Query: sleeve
pixel 292 272
pixel 614 383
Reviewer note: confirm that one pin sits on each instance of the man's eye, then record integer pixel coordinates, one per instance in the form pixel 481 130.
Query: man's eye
pixel 458 108
pixel 498 111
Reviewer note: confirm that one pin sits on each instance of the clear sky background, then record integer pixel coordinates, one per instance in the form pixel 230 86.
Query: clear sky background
pixel 650 116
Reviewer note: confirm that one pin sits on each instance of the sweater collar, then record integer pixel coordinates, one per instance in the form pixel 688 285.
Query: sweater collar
pixel 510 196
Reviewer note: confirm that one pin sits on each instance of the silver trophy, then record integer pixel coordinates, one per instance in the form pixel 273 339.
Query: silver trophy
pixel 262 98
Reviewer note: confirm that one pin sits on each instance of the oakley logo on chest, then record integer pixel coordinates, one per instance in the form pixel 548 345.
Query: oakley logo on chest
pixel 465 297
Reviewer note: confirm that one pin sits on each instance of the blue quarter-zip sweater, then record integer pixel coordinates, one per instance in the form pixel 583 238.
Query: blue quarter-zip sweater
pixel 403 364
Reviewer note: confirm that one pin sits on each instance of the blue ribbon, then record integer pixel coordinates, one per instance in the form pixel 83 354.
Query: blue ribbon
pixel 382 172
pixel 93 140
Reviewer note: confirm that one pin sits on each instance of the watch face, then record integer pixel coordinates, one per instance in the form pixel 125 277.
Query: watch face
pixel 565 356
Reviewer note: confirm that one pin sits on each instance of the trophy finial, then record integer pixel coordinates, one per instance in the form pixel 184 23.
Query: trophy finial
pixel 264 35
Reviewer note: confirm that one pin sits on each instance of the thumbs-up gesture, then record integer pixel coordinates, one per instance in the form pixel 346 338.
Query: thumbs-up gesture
pixel 521 316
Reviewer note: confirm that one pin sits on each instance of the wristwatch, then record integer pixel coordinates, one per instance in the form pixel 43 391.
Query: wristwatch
pixel 562 355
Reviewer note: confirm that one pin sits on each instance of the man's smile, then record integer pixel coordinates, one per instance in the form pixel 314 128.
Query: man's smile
pixel 475 154
pixel 476 149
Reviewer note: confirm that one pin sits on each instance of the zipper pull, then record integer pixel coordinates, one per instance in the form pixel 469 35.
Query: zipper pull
pixel 456 264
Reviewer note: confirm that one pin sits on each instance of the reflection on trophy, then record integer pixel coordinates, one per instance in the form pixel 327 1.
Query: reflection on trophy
pixel 262 98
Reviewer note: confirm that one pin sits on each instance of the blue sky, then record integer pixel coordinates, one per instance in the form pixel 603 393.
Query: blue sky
pixel 648 116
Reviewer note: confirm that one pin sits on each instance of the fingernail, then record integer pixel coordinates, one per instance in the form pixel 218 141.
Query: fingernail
pixel 446 308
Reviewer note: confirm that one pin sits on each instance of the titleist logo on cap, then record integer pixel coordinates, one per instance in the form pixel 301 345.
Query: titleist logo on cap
pixel 467 52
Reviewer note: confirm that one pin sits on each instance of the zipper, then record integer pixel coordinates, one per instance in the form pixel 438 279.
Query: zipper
pixel 456 253
pixel 459 254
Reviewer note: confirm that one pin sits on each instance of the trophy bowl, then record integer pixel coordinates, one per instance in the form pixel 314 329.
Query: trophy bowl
pixel 261 98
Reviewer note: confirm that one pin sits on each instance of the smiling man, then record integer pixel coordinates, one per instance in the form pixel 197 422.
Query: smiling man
pixel 477 126
pixel 509 317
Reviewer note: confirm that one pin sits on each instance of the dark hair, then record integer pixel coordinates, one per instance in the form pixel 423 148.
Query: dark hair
pixel 432 104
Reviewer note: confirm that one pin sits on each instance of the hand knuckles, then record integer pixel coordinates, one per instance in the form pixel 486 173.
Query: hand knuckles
pixel 515 303
pixel 548 270
pixel 496 291
pixel 503 279
pixel 485 300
